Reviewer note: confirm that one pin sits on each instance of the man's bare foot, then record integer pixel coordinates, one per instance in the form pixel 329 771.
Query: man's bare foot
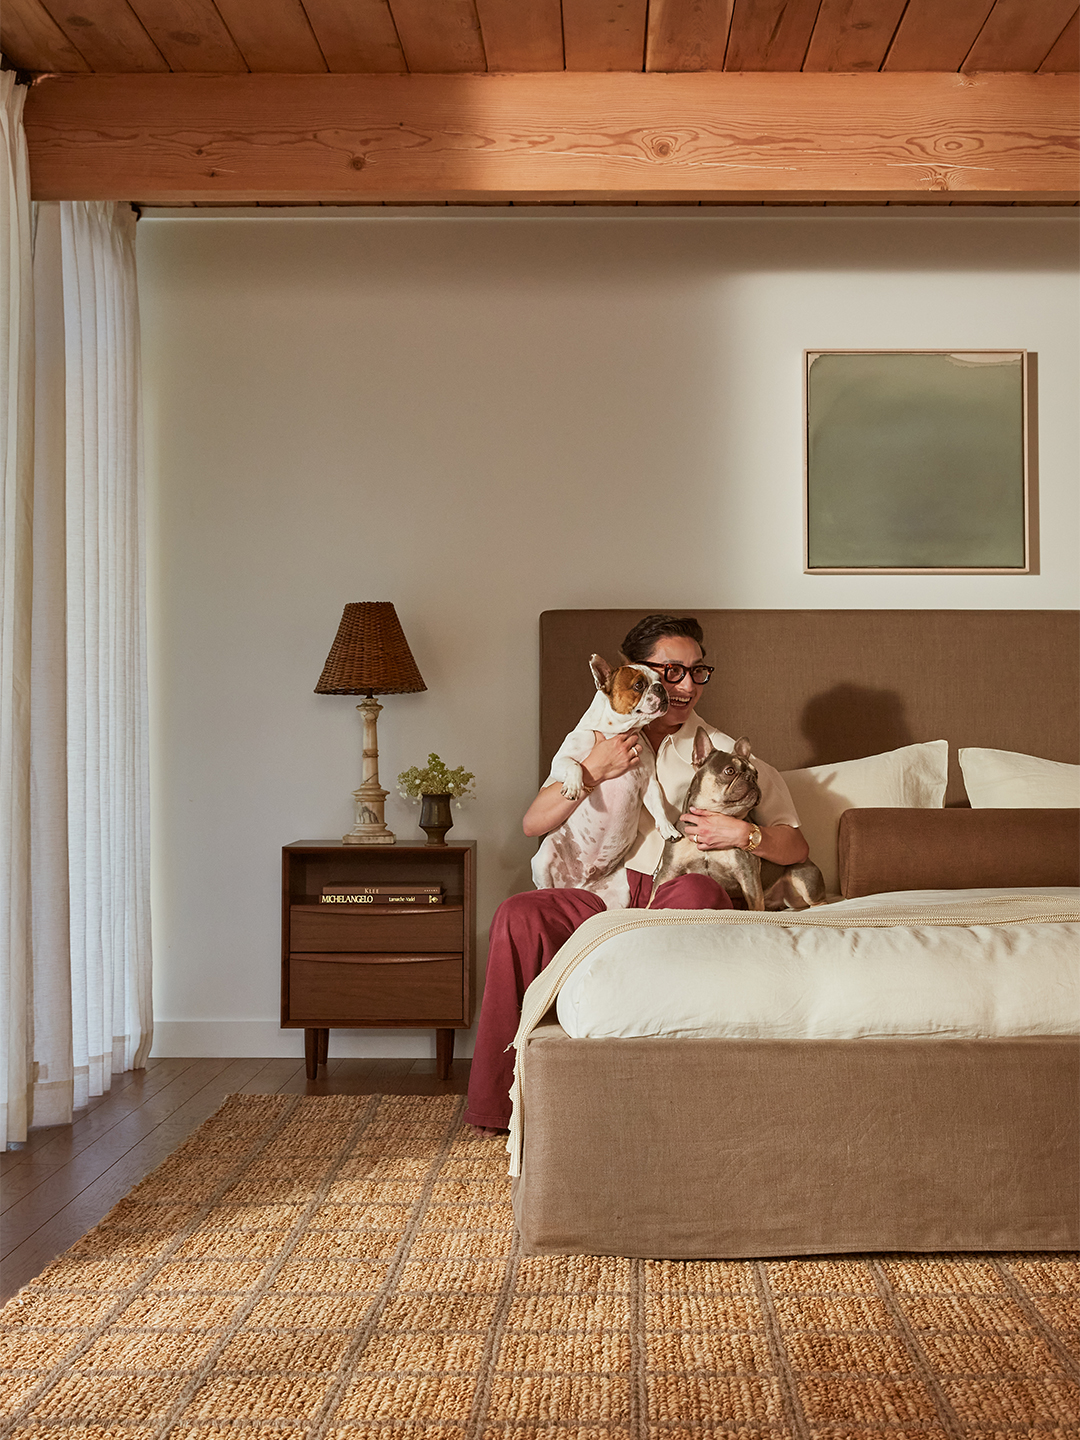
pixel 485 1132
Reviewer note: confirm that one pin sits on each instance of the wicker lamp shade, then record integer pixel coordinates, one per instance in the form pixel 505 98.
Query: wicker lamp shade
pixel 370 655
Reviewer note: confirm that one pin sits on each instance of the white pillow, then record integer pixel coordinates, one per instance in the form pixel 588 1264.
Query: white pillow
pixel 913 777
pixel 1005 780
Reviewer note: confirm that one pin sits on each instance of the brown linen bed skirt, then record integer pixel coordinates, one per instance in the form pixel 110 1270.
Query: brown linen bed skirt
pixel 682 1149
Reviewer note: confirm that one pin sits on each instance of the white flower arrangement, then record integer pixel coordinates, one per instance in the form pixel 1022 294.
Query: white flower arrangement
pixel 435 779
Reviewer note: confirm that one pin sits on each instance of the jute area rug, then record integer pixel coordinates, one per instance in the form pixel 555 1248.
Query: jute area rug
pixel 346 1267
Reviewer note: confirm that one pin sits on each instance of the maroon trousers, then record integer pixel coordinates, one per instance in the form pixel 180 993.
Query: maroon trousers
pixel 526 931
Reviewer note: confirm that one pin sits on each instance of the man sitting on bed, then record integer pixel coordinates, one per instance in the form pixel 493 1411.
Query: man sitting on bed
pixel 528 929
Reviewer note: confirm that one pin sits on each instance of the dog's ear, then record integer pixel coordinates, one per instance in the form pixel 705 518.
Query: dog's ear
pixel 703 747
pixel 742 748
pixel 602 671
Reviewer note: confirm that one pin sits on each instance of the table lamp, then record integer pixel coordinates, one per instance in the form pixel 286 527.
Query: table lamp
pixel 370 656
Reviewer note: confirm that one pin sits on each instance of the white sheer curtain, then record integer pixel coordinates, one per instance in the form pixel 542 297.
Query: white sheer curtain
pixel 53 1076
pixel 74 907
pixel 16 579
pixel 108 807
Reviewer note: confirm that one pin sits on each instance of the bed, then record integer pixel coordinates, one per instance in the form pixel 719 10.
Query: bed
pixel 836 1140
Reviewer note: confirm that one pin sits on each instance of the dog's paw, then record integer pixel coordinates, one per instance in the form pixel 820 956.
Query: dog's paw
pixel 573 785
pixel 669 831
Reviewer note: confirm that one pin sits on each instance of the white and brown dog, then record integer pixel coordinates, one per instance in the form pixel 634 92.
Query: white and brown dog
pixel 587 850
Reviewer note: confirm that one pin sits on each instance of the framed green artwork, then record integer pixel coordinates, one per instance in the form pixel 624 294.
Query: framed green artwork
pixel 917 462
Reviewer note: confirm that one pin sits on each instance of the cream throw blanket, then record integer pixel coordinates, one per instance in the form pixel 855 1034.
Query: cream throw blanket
pixel 1011 909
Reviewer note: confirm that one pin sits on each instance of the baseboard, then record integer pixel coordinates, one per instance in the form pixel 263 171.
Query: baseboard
pixel 243 1039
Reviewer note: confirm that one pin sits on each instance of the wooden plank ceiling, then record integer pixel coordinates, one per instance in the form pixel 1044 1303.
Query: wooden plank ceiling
pixel 537 101
pixel 468 36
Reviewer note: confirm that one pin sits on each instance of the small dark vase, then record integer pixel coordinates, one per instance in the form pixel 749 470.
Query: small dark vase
pixel 435 817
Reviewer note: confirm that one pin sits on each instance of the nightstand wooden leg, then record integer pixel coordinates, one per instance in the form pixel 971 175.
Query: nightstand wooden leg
pixel 311 1053
pixel 444 1052
pixel 324 1046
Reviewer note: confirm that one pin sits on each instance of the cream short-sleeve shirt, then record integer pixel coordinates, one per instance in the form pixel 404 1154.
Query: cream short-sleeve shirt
pixel 675 770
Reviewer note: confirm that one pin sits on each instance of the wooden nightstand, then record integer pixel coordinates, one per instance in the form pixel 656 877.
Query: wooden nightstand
pixel 346 968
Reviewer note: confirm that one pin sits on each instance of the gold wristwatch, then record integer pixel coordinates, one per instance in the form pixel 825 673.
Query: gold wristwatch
pixel 753 840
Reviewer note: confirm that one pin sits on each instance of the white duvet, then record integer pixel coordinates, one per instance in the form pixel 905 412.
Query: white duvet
pixel 787 982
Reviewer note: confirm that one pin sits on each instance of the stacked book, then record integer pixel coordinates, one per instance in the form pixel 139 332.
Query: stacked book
pixel 383 898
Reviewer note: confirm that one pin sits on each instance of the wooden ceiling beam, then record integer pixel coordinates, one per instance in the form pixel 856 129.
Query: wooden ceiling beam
pixel 734 138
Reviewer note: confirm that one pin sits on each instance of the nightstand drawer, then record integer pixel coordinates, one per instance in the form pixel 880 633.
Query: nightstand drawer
pixel 314 927
pixel 359 989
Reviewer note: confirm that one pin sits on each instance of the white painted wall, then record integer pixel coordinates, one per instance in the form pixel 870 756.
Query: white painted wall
pixel 480 416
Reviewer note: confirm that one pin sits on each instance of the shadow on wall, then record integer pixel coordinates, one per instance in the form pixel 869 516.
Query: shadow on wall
pixel 851 721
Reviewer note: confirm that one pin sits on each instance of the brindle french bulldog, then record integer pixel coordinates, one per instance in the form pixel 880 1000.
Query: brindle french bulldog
pixel 727 784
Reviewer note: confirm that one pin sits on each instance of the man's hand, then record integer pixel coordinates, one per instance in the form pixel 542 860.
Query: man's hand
pixel 783 844
pixel 715 832
pixel 608 759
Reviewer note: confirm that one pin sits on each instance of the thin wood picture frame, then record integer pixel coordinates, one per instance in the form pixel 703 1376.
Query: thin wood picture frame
pixel 917 462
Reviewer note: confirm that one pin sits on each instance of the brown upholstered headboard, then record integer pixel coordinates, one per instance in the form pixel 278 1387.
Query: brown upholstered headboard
pixel 814 686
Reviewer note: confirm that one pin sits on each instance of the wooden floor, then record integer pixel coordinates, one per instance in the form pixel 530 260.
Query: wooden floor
pixel 67 1177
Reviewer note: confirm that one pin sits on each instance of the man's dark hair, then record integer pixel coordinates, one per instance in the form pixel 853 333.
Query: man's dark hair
pixel 639 644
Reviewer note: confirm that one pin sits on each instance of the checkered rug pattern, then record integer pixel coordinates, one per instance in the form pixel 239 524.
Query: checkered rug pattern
pixel 345 1268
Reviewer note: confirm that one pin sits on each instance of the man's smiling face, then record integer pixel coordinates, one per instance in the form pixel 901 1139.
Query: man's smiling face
pixel 682 694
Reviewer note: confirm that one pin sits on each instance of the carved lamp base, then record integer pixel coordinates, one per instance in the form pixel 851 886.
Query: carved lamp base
pixel 371 827
pixel 370 799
